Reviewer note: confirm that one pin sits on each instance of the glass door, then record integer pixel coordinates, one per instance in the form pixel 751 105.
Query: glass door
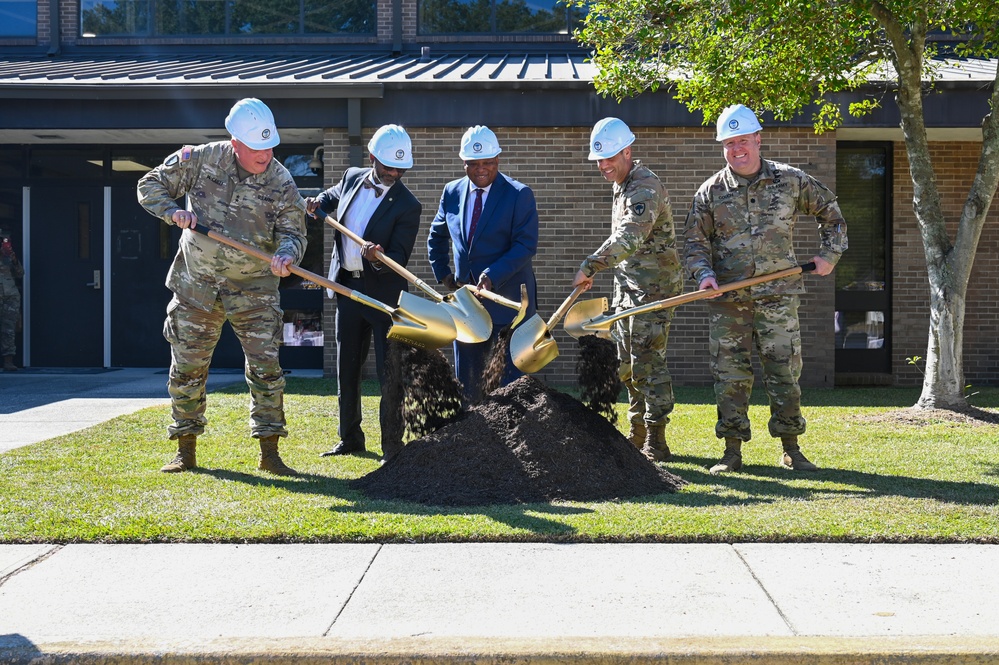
pixel 863 275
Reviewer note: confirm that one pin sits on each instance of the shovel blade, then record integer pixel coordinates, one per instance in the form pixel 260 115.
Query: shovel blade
pixel 585 318
pixel 471 320
pixel 421 323
pixel 532 346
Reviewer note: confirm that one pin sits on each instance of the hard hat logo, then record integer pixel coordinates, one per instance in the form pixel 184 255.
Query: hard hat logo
pixel 399 154
pixel 476 147
pixel 266 134
pixel 597 146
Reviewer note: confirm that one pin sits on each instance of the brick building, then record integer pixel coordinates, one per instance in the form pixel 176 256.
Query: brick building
pixel 89 102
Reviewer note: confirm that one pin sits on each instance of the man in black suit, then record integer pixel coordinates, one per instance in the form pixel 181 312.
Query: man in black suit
pixel 375 204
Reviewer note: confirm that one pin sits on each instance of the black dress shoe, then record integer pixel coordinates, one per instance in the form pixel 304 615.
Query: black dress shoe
pixel 344 448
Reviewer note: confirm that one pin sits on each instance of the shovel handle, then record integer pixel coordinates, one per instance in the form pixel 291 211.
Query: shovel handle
pixel 495 297
pixel 564 307
pixel 301 272
pixel 391 263
pixel 700 294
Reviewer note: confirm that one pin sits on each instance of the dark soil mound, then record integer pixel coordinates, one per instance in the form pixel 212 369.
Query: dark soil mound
pixel 525 443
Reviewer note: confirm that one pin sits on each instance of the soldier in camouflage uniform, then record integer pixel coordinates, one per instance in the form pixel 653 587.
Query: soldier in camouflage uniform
pixel 236 188
pixel 641 250
pixel 10 300
pixel 740 225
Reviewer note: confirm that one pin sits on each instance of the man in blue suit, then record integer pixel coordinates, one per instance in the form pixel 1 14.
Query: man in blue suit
pixel 375 204
pixel 489 223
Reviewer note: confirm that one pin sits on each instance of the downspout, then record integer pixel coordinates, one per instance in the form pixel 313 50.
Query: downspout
pixel 55 29
pixel 356 150
pixel 396 27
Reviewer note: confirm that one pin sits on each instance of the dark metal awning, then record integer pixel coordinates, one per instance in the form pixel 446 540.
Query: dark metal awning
pixel 349 75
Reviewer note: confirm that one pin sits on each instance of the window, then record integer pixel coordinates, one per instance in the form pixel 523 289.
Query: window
pixel 18 18
pixel 227 18
pixel 497 16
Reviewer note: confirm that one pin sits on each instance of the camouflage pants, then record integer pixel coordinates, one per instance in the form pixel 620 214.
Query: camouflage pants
pixel 772 324
pixel 10 313
pixel 641 348
pixel 193 334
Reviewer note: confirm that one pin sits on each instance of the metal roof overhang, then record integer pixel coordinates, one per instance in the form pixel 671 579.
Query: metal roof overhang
pixel 157 98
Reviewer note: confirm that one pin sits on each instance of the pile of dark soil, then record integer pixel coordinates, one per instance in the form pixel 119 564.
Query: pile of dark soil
pixel 524 443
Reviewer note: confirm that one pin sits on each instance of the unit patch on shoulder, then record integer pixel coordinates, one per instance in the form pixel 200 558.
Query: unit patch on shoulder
pixel 638 209
pixel 181 155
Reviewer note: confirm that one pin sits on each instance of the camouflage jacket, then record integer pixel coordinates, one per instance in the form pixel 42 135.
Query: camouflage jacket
pixel 642 245
pixel 263 210
pixel 10 268
pixel 737 229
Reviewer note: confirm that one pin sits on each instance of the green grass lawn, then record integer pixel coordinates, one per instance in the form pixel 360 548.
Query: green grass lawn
pixel 886 477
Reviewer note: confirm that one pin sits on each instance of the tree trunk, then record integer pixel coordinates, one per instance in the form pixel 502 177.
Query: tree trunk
pixel 943 381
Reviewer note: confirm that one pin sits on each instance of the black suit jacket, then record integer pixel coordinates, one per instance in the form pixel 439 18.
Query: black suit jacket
pixel 394 225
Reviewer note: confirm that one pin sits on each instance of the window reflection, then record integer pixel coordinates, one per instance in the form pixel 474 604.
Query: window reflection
pixel 860 330
pixel 18 18
pixel 502 16
pixel 207 18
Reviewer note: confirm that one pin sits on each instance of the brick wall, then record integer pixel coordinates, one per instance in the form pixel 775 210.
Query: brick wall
pixel 955 163
pixel 574 209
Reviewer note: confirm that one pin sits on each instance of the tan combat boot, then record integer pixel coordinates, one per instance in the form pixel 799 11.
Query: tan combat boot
pixel 8 364
pixel 185 458
pixel 793 458
pixel 731 460
pixel 636 433
pixel 270 460
pixel 655 447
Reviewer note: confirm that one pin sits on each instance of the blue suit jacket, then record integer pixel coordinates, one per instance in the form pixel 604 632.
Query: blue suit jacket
pixel 505 242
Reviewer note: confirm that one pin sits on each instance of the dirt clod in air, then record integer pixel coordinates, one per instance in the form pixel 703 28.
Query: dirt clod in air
pixel 597 369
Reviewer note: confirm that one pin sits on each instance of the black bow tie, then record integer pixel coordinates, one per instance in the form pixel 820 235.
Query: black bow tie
pixel 370 185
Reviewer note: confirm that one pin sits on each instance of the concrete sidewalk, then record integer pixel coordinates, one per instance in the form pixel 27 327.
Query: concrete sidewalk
pixel 469 603
pixel 36 405
pixel 488 603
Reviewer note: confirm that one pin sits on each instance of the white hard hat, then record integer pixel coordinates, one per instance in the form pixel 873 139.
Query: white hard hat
pixel 252 123
pixel 609 137
pixel 736 120
pixel 479 142
pixel 391 146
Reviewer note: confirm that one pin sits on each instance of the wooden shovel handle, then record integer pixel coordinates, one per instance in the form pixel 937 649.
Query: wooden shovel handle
pixel 564 307
pixel 701 294
pixel 392 264
pixel 264 256
pixel 495 297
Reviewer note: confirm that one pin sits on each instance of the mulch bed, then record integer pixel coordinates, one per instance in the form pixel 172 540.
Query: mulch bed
pixel 524 443
pixel 919 416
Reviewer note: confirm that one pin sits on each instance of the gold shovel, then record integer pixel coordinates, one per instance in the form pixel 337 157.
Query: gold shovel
pixel 532 345
pixel 587 317
pixel 415 321
pixel 471 320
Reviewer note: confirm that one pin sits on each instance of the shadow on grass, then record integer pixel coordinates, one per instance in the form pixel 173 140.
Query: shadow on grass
pixel 303 483
pixel 305 386
pixel 517 516
pixel 767 484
